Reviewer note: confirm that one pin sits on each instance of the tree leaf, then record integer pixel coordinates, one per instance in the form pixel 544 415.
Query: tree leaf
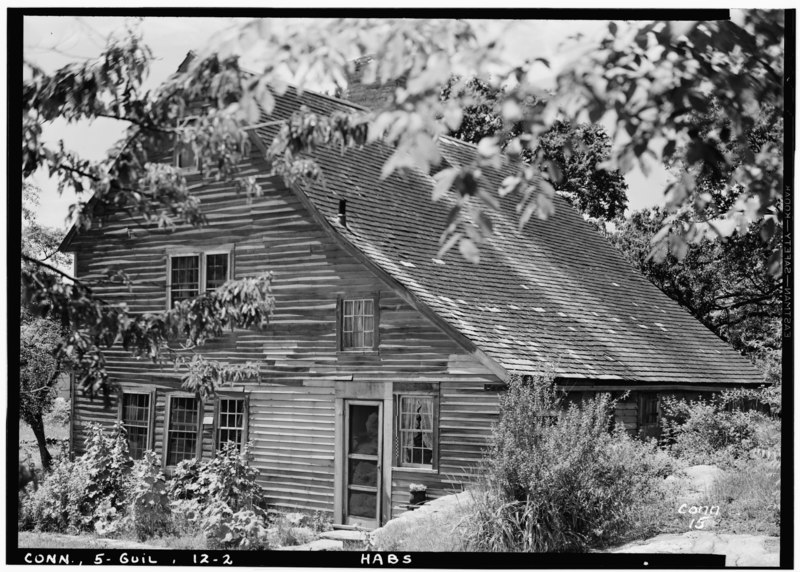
pixel 469 250
pixel 443 180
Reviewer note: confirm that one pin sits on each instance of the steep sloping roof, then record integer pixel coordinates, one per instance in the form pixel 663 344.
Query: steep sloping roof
pixel 555 292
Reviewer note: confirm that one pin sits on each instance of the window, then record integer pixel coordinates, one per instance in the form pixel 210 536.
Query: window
pixel 649 409
pixel 185 283
pixel 182 429
pixel 135 417
pixel 185 157
pixel 416 417
pixel 357 324
pixel 195 273
pixel 231 421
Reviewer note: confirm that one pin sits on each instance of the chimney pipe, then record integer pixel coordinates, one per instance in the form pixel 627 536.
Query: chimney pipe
pixel 343 212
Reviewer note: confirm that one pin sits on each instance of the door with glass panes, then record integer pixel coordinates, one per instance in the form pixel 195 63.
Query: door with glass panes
pixel 363 461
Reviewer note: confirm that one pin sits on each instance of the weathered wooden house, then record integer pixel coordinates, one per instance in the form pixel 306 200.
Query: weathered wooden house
pixel 381 362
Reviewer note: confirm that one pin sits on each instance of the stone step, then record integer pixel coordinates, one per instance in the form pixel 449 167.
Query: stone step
pixel 351 539
pixel 321 544
pixel 345 535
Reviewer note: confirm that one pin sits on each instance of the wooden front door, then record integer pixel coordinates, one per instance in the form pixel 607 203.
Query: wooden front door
pixel 363 462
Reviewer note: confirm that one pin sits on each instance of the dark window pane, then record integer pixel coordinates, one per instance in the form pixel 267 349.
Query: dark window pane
pixel 216 270
pixel 136 420
pixel 182 437
pixel 185 278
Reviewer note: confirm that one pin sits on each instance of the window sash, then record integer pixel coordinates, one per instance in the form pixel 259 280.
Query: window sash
pixel 195 273
pixel 216 270
pixel 358 323
pixel 183 433
pixel 231 414
pixel 184 277
pixel 415 421
pixel 135 417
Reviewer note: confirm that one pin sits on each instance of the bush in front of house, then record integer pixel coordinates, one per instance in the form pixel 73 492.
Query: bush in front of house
pixel 718 431
pixel 223 499
pixel 85 493
pixel 149 513
pixel 559 479
pixel 104 491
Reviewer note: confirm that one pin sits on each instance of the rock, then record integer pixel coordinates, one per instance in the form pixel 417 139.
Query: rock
pixel 302 534
pixel 702 477
pixel 317 545
pixel 445 504
pixel 738 549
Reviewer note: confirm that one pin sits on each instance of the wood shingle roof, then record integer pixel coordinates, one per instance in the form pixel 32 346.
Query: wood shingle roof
pixel 556 291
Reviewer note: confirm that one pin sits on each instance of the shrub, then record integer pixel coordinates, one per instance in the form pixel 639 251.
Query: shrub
pixel 227 478
pixel 87 494
pixel 243 529
pixel 559 479
pixel 716 431
pixel 148 505
pixel 60 503
pixel 223 499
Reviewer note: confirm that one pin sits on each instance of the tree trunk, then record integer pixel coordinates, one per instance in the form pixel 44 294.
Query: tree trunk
pixel 38 430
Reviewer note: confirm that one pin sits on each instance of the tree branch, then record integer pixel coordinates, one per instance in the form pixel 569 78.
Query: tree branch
pixel 54 269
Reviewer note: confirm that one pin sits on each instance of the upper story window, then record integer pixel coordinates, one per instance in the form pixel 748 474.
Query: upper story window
pixel 185 157
pixel 358 324
pixel 194 273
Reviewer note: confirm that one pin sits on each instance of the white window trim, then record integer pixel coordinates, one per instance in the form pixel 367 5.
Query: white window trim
pixel 202 253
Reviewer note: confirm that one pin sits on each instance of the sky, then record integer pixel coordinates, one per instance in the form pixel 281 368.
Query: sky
pixel 52 42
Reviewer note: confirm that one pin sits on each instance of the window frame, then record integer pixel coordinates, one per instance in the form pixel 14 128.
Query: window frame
pixel 202 254
pixel 150 392
pixel 199 428
pixel 643 400
pixel 245 420
pixel 430 391
pixel 374 297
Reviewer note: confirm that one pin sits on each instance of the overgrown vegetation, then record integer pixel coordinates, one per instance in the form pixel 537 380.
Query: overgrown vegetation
pixel 719 431
pixel 561 479
pixel 215 504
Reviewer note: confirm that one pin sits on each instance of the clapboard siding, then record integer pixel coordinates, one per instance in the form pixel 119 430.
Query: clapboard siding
pixel 291 411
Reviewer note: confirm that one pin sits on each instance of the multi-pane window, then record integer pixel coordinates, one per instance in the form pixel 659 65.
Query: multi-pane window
pixel 196 273
pixel 415 430
pixel 185 277
pixel 358 324
pixel 230 421
pixel 216 270
pixel 135 417
pixel 182 429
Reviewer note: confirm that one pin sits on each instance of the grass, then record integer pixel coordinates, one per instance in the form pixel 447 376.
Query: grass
pixel 55 540
pixel 746 499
